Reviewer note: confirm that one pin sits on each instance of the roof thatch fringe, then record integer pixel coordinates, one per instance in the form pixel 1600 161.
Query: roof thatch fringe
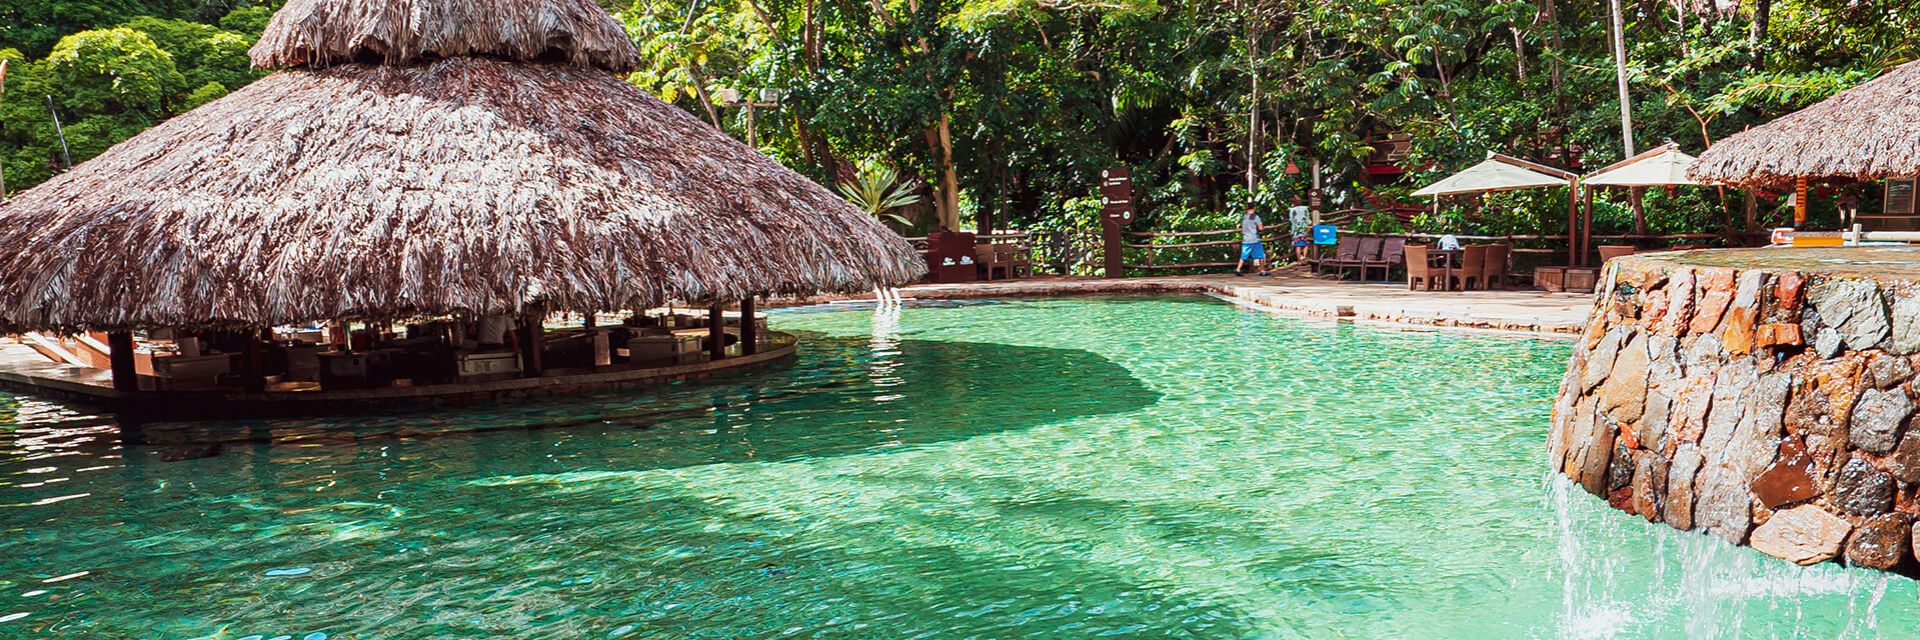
pixel 466 184
pixel 322 33
pixel 1865 133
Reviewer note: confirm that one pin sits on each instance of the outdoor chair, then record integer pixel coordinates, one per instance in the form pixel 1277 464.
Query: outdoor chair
pixel 987 260
pixel 1473 259
pixel 1345 254
pixel 1611 251
pixel 1420 268
pixel 1493 274
pixel 1019 260
pixel 1393 253
pixel 1365 256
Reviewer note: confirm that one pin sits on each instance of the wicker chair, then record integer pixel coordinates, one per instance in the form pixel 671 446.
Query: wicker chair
pixel 1473 260
pixel 1493 274
pixel 1420 269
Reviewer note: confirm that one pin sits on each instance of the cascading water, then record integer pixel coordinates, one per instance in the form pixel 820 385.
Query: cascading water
pixel 1622 577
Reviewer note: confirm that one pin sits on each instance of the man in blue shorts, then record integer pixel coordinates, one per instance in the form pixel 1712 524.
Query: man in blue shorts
pixel 1250 247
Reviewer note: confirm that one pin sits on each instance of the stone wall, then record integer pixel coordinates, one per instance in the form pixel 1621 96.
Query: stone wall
pixel 1766 405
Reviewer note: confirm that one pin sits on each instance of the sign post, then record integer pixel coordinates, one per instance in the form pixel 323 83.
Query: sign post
pixel 1116 210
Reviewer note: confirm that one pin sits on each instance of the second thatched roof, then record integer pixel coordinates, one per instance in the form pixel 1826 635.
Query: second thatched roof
pixel 1868 132
pixel 476 183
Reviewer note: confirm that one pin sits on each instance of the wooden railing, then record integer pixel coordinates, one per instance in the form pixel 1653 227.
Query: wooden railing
pixel 1080 253
pixel 1183 250
pixel 1053 252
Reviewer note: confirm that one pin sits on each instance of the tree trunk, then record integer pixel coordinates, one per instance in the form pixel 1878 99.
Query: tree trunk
pixel 699 77
pixel 1555 75
pixel 1757 38
pixel 946 203
pixel 1253 109
pixel 1636 197
pixel 1620 74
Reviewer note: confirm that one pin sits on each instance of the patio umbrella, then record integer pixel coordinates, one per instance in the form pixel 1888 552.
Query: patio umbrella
pixel 1497 173
pixel 1501 172
pixel 1658 167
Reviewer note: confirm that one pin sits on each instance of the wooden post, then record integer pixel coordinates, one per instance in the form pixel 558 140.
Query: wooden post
pixel 1116 210
pixel 120 357
pixel 1573 221
pixel 749 329
pixel 1586 229
pixel 532 343
pixel 1799 203
pixel 251 377
pixel 716 332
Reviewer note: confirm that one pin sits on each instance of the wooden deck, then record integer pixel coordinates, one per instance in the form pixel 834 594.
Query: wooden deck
pixel 24 369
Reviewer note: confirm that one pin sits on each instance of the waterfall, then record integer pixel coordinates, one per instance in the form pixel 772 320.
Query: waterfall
pixel 1623 577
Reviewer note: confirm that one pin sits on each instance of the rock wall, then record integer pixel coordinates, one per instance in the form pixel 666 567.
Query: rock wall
pixel 1766 406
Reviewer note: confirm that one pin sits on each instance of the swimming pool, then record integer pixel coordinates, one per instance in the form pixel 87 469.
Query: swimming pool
pixel 1124 466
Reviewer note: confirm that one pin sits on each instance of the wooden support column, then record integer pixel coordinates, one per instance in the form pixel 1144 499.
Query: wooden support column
pixel 749 329
pixel 252 377
pixel 1799 203
pixel 1573 221
pixel 533 341
pixel 1586 229
pixel 716 332
pixel 120 355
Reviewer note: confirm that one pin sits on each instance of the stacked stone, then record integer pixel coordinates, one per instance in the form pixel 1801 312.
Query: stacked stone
pixel 1764 407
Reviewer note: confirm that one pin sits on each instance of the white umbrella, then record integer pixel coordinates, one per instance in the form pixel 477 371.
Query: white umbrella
pixel 1659 167
pixel 1495 174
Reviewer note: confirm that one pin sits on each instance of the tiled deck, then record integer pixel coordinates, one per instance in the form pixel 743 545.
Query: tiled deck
pixel 1525 310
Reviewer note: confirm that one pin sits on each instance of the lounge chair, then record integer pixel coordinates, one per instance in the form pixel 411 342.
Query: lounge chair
pixel 1345 254
pixel 1393 253
pixel 1365 255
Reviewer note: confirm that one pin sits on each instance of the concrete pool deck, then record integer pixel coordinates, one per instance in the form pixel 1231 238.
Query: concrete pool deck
pixel 1294 291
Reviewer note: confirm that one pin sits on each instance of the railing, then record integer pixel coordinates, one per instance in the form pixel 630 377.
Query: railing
pixel 1184 249
pixel 1080 253
pixel 1053 252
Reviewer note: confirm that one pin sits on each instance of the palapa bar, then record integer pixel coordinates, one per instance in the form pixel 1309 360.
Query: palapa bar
pixel 419 159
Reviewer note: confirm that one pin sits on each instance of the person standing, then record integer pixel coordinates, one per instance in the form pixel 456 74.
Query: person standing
pixel 1251 249
pixel 1301 221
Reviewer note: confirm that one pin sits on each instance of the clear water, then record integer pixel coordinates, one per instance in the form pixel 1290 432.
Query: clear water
pixel 1130 467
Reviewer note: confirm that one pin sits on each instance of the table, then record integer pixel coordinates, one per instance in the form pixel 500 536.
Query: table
pixel 1448 259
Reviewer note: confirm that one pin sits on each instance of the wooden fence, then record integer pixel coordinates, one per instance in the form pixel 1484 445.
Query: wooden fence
pixel 1079 253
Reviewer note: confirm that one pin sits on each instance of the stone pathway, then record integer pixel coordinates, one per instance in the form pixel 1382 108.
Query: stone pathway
pixel 1529 310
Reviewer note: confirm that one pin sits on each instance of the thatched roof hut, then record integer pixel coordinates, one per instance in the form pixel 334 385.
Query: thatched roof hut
pixel 427 156
pixel 1868 132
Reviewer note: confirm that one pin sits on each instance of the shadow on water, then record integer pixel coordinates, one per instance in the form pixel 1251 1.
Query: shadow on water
pixel 840 395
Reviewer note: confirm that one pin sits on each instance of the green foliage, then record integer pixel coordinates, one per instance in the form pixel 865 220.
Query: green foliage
pixel 144 63
pixel 208 92
pixel 114 71
pixel 1038 96
pixel 878 190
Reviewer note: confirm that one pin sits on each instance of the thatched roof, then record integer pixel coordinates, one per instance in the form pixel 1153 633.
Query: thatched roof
pixel 329 32
pixel 463 184
pixel 1868 132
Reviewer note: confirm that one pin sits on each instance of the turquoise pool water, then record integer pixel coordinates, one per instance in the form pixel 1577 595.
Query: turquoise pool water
pixel 1126 467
